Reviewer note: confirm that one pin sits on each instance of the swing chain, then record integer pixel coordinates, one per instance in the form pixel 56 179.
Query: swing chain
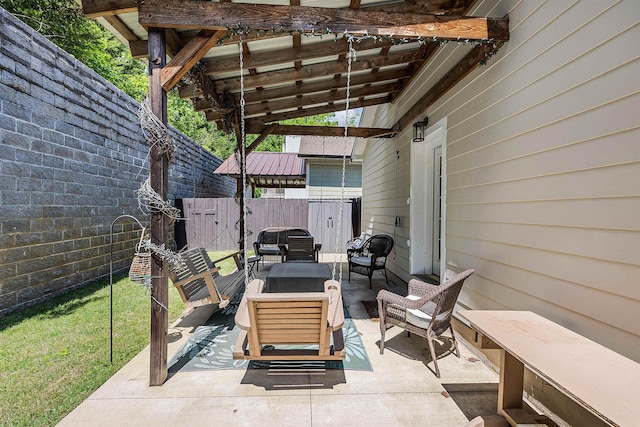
pixel 351 56
pixel 245 237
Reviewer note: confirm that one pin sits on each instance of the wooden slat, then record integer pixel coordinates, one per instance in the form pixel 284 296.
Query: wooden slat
pixel 320 70
pixel 190 91
pixel 121 28
pixel 447 7
pixel 139 48
pixel 219 16
pixel 304 52
pixel 338 131
pixel 98 8
pixel 319 110
pixel 319 98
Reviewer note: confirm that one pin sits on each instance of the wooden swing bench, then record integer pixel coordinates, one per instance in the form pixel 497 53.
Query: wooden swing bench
pixel 199 283
pixel 303 319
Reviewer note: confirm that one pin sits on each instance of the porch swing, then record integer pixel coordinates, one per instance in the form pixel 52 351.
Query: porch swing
pixel 195 276
pixel 303 322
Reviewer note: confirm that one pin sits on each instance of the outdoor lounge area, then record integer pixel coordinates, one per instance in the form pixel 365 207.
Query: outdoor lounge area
pixel 494 139
pixel 398 388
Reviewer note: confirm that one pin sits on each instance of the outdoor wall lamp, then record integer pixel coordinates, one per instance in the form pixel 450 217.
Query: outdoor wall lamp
pixel 418 130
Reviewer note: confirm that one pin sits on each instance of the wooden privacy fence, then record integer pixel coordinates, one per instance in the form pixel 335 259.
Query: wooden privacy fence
pixel 213 223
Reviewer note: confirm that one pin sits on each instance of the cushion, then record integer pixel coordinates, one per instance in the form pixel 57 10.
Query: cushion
pixel 361 260
pixel 365 261
pixel 269 250
pixel 417 317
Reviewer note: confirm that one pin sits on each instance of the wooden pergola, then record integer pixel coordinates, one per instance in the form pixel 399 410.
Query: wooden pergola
pixel 294 66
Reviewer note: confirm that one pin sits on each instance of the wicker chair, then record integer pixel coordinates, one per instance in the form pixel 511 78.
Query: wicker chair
pixel 371 256
pixel 426 311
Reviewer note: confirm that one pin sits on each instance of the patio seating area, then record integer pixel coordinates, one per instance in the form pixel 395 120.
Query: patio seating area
pixel 400 390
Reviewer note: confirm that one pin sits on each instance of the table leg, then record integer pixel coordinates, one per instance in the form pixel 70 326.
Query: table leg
pixel 511 383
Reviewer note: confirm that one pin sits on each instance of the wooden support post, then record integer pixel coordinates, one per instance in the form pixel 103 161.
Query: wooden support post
pixel 511 383
pixel 159 222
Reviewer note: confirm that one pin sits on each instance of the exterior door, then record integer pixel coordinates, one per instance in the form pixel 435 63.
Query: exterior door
pixel 426 243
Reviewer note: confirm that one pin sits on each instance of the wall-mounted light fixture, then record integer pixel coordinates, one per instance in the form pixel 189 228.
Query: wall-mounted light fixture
pixel 418 130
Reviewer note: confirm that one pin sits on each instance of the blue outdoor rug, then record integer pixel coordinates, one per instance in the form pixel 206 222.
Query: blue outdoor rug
pixel 210 347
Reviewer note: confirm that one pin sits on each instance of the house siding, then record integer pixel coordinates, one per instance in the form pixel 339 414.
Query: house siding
pixel 543 167
pixel 325 181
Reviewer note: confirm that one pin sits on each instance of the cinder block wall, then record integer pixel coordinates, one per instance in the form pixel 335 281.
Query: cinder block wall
pixel 72 156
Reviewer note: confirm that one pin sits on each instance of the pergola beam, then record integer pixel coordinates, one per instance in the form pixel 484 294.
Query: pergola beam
pixel 336 131
pixel 319 98
pixel 191 53
pixel 301 53
pixel 332 108
pixel 320 70
pixel 139 48
pixel 99 8
pixel 220 16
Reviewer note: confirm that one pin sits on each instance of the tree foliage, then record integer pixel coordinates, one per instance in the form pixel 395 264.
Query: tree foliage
pixel 63 23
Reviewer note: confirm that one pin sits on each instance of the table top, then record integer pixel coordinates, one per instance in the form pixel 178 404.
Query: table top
pixel 596 377
pixel 300 269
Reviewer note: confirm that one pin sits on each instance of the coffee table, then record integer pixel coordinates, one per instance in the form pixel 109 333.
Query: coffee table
pixel 297 277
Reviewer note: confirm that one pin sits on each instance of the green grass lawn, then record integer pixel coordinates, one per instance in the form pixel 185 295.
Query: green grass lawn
pixel 55 354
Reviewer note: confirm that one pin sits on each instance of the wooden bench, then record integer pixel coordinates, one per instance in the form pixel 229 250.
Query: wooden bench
pixel 199 283
pixel 301 318
pixel 601 380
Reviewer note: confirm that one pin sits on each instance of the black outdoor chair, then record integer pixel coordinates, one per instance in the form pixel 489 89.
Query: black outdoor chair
pixel 371 256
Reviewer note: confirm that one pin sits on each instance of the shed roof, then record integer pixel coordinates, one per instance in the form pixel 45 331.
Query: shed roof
pixel 268 169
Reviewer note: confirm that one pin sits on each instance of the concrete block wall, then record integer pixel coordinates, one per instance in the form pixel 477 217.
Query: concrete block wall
pixel 72 156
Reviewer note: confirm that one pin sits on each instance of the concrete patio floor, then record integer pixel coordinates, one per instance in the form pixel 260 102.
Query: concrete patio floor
pixel 400 391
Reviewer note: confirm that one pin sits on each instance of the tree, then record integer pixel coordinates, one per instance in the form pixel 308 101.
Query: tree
pixel 62 22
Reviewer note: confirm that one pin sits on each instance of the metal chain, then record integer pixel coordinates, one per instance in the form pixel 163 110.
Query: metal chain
pixel 245 236
pixel 350 58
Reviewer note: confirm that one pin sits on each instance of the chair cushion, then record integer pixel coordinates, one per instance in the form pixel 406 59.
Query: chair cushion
pixel 269 250
pixel 416 316
pixel 365 261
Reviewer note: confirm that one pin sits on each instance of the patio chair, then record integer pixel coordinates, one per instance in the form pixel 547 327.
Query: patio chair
pixel 300 248
pixel 426 311
pixel 371 256
pixel 199 283
pixel 304 322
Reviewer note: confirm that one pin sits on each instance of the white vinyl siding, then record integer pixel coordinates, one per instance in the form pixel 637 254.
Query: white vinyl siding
pixel 543 168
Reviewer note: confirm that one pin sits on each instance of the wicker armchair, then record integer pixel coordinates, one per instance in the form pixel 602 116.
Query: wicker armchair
pixel 371 256
pixel 426 311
